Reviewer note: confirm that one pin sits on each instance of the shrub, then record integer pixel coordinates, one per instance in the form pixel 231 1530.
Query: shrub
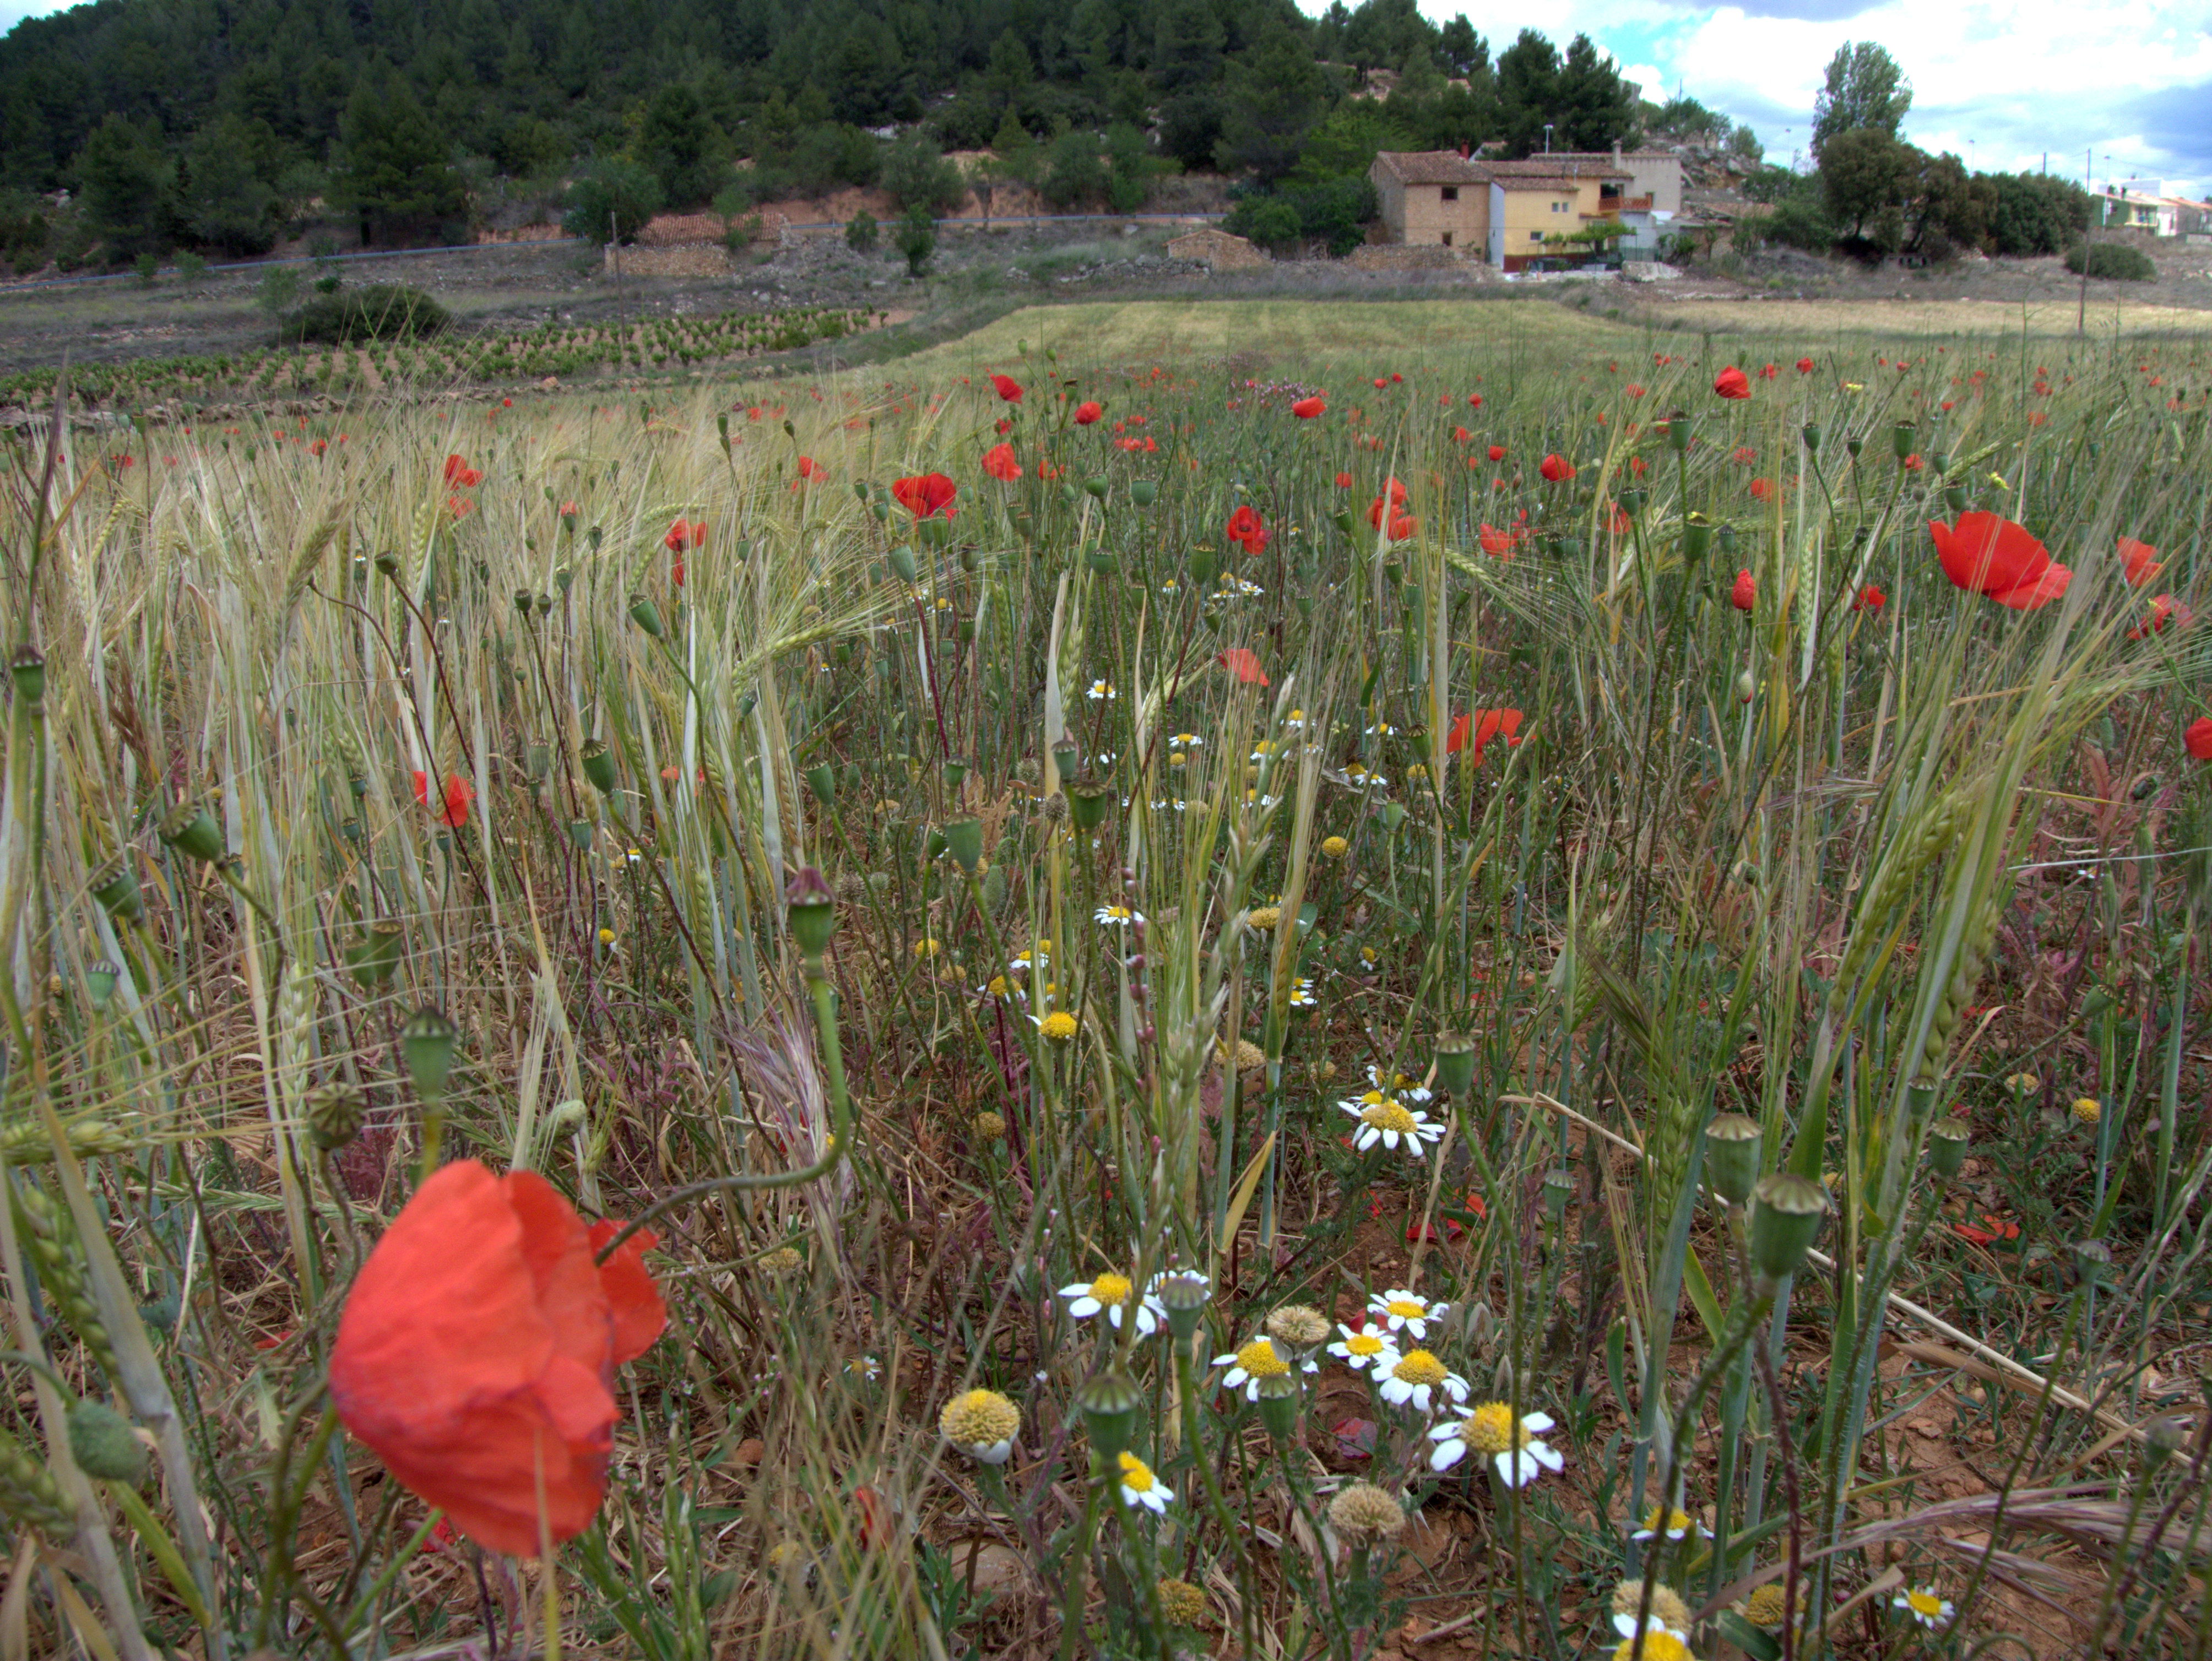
pixel 381 312
pixel 917 238
pixel 2115 260
pixel 612 193
pixel 861 233
pixel 1335 214
pixel 1797 221
pixel 191 267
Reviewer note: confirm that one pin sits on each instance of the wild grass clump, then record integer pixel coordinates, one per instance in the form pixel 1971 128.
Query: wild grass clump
pixel 1282 1007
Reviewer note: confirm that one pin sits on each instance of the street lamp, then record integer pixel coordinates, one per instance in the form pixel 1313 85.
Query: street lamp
pixel 1547 138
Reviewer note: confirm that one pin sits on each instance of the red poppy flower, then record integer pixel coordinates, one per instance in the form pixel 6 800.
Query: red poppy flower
pixel 1474 400
pixel 1988 553
pixel 1009 388
pixel 1745 594
pixel 1004 426
pixel 1804 366
pixel 1244 666
pixel 1402 525
pixel 2197 738
pixel 1087 412
pixel 684 534
pixel 926 495
pixel 2165 612
pixel 1870 598
pixel 477 1350
pixel 1482 725
pixel 1553 467
pixel 2140 559
pixel 1762 490
pixel 1767 371
pixel 1307 408
pixel 453 809
pixel 1246 529
pixel 459 473
pixel 1381 381
pixel 1498 544
pixel 1732 383
pixel 1000 462
pixel 809 469
pixel 1344 482
pixel 1915 462
pixel 1395 377
pixel 2000 1230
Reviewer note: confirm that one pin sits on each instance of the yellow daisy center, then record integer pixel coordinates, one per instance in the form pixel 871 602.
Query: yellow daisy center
pixel 1177 759
pixel 1925 1603
pixel 1111 1289
pixel 1387 1116
pixel 1656 1644
pixel 2088 1110
pixel 1364 1344
pixel 1258 1360
pixel 1417 1366
pixel 997 986
pixel 1410 1308
pixel 1136 1475
pixel 1059 1025
pixel 1668 1522
pixel 1491 1429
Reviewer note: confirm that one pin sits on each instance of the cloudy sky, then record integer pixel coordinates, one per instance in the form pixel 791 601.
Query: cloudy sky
pixel 1999 82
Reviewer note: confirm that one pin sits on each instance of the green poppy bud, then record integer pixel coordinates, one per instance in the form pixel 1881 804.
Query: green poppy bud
pixel 580 834
pixel 103 1444
pixel 1144 492
pixel 1631 503
pixel 964 839
pixel 1097 484
pixel 1785 1215
pixel 373 958
pixel 645 616
pixel 1110 1403
pixel 1732 1150
pixel 822 781
pixel 387 563
pixel 426 1043
pixel 116 888
pixel 1278 1405
pixel 1455 1065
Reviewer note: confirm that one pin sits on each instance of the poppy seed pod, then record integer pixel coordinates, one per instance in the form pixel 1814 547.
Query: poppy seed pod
pixel 821 780
pixel 600 766
pixel 524 600
pixel 1812 436
pixel 1144 492
pixel 1900 440
pixel 103 1444
pixel 1854 444
pixel 645 616
pixel 27 668
pixel 1086 805
pixel 1183 1297
pixel 1102 561
pixel 1785 1215
pixel 963 838
pixel 956 772
pixel 1678 433
pixel 1732 1149
pixel 1697 538
pixel 1278 1405
pixel 387 563
pixel 116 888
pixel 1203 564
pixel 580 834
pixel 563 578
pixel 901 559
pixel 188 829
pixel 100 982
pixel 1109 1403
pixel 1066 758
pixel 1955 498
pixel 812 911
pixel 335 1111
pixel 373 957
pixel 934 533
pixel 1455 1065
pixel 1631 503
pixel 1097 484
pixel 1946 1147
pixel 426 1043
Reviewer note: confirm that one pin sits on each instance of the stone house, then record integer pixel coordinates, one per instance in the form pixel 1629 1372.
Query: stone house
pixel 1217 250
pixel 1505 213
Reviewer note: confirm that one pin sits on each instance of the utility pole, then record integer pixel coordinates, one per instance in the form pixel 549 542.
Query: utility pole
pixel 622 312
pixel 2081 316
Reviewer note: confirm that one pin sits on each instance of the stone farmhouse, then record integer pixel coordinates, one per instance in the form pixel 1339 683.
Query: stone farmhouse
pixel 1507 214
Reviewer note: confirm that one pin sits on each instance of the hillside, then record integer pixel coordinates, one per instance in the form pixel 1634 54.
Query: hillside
pixel 222 129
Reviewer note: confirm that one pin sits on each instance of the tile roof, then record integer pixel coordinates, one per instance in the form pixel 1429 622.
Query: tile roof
pixel 1432 168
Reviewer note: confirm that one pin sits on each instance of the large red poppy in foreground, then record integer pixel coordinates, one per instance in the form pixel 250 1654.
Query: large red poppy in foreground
pixel 476 1353
pixel 926 495
pixel 1988 553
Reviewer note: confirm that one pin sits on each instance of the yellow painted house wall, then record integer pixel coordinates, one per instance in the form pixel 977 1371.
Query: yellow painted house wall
pixel 1532 216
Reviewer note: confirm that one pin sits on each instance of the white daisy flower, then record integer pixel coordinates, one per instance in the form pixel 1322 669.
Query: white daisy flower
pixel 1111 1292
pixel 1514 1449
pixel 1186 741
pixel 1678 1525
pixel 1362 1347
pixel 1296 720
pixel 1360 778
pixel 1257 1360
pixel 1381 729
pixel 1419 1381
pixel 1302 993
pixel 1923 1605
pixel 1409 1312
pixel 1401 1085
pixel 1384 1119
pixel 1625 1625
pixel 1038 955
pixel 1141 1488
pixel 1102 692
pixel 1117 917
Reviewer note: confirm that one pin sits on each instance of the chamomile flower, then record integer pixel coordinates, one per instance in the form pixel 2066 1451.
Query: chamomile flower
pixel 1257 1360
pixel 1514 1448
pixel 1670 1614
pixel 1400 1311
pixel 1401 1085
pixel 1186 741
pixel 1141 1488
pixel 1036 955
pixel 1923 1605
pixel 1362 1347
pixel 1296 720
pixel 1302 993
pixel 1381 729
pixel 1334 848
pixel 1360 778
pixel 1059 1026
pixel 1102 692
pixel 1113 1295
pixel 983 1424
pixel 1117 917
pixel 1656 1644
pixel 1389 1121
pixel 1679 1525
pixel 1419 1381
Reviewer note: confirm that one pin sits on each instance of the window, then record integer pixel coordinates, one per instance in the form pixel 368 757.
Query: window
pixel 1535 236
pixel 1446 239
pixel 1451 192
